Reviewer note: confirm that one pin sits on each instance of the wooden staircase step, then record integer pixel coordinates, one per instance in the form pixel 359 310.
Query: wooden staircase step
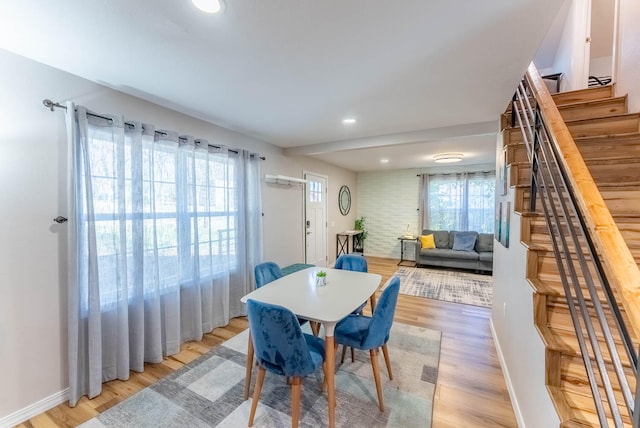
pixel 553 288
pixel 568 343
pixel 558 316
pixel 605 172
pixel 583 410
pixel 571 97
pixel 603 107
pixel 618 124
pixel 575 375
pixel 618 200
pixel 609 146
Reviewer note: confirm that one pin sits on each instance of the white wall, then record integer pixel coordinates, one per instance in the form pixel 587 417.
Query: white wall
pixel 628 77
pixel 283 208
pixel 389 201
pixel 519 346
pixel 32 187
pixel 600 66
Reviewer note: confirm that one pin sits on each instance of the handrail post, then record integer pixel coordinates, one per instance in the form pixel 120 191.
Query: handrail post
pixel 636 407
pixel 513 109
pixel 534 161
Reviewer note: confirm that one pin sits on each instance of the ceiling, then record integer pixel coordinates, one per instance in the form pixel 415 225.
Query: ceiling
pixel 420 77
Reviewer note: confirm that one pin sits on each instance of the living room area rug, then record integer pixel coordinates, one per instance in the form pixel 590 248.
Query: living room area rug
pixel 448 285
pixel 208 392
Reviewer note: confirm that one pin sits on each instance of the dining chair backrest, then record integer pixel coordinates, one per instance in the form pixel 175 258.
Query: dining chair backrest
pixel 351 262
pixel 382 318
pixel 278 341
pixel 266 272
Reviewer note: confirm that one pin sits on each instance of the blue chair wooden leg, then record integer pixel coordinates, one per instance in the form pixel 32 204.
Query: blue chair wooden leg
pixel 376 376
pixel 248 369
pixel 296 386
pixel 256 394
pixel 387 361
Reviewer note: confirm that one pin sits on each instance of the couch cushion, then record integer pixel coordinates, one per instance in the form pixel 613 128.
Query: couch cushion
pixel 484 242
pixel 464 241
pixel 446 253
pixel 440 236
pixel 485 256
pixel 427 241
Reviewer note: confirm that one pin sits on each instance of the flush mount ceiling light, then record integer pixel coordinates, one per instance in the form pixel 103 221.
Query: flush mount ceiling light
pixel 348 121
pixel 384 160
pixel 209 6
pixel 447 157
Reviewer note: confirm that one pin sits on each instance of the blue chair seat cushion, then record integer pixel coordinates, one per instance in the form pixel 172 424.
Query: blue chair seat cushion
pixel 316 352
pixel 353 330
pixel 287 270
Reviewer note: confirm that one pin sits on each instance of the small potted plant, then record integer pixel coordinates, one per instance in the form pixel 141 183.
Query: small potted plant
pixel 358 242
pixel 321 278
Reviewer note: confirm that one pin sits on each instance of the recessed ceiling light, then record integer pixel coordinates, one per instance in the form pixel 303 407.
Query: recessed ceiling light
pixel 447 157
pixel 348 121
pixel 209 6
pixel 384 160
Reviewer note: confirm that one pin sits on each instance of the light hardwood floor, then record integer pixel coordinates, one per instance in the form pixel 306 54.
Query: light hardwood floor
pixel 471 390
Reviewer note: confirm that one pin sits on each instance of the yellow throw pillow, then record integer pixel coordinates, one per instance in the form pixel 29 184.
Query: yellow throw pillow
pixel 427 241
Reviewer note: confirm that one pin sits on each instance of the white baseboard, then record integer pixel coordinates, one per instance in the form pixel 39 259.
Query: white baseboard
pixel 507 378
pixel 35 409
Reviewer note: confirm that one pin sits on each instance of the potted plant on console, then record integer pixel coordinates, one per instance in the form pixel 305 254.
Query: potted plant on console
pixel 358 243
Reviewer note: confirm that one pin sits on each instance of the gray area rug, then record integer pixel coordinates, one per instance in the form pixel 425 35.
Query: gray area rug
pixel 447 285
pixel 208 392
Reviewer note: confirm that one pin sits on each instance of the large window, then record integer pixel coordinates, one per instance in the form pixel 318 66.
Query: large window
pixel 165 231
pixel 165 214
pixel 464 201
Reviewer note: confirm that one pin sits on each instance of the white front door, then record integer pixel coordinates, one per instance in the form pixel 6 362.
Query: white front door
pixel 315 219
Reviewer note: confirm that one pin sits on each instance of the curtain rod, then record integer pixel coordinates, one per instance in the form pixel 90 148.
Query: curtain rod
pixel 51 105
pixel 453 173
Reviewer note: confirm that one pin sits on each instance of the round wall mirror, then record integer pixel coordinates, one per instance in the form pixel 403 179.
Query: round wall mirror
pixel 344 200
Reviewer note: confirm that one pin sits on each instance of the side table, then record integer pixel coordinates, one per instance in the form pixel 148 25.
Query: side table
pixel 343 239
pixel 402 240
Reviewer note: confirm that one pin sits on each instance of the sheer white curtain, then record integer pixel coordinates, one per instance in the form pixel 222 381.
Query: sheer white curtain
pixel 165 231
pixel 458 201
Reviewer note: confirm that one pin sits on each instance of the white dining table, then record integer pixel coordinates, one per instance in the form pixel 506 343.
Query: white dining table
pixel 326 304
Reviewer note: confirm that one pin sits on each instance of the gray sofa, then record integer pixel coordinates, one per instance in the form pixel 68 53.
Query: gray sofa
pixel 457 251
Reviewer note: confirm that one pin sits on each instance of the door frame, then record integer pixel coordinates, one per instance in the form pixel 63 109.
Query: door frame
pixel 326 216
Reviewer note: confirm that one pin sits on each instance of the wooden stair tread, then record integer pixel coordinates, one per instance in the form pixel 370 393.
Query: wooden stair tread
pixel 569 97
pixel 583 409
pixel 622 123
pixel 609 106
pixel 606 119
pixel 565 341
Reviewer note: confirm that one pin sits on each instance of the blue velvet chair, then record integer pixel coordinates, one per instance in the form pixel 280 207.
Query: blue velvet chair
pixel 355 263
pixel 371 333
pixel 266 272
pixel 352 262
pixel 282 348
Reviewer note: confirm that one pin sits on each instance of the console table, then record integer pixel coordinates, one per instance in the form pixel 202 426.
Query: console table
pixel 343 239
pixel 402 240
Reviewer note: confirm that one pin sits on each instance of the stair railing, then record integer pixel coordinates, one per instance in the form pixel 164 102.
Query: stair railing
pixel 591 255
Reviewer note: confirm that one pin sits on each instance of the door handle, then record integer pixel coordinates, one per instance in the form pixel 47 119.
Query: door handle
pixel 308 233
